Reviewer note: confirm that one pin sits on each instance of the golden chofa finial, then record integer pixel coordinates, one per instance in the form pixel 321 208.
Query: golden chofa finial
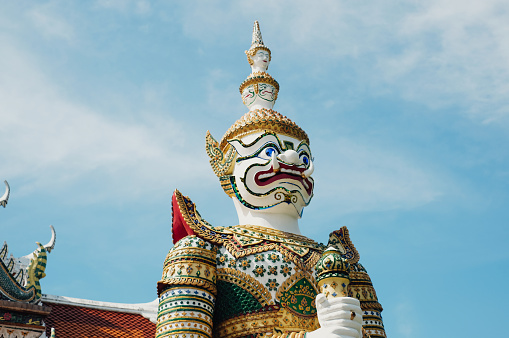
pixel 256 45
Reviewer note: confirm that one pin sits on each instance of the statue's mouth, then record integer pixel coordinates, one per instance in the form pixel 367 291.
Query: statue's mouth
pixel 285 172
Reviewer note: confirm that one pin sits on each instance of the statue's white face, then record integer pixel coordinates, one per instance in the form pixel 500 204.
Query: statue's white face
pixel 273 173
pixel 265 97
pixel 261 60
pixel 248 95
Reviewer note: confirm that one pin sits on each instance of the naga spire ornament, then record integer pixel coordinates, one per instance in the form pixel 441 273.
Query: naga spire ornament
pixel 19 277
pixel 5 197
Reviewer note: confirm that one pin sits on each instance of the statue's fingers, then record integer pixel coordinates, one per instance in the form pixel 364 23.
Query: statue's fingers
pixel 345 332
pixel 339 314
pixel 345 323
pixel 339 307
pixel 321 301
pixel 345 300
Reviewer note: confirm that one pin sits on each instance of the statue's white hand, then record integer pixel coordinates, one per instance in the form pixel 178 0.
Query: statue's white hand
pixel 339 318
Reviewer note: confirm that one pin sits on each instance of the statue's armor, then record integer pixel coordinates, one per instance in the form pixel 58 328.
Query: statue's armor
pixel 248 281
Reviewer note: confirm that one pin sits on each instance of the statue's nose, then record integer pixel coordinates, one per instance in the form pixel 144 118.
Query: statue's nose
pixel 290 157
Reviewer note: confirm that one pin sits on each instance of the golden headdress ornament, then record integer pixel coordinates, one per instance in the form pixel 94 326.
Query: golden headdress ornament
pixel 256 43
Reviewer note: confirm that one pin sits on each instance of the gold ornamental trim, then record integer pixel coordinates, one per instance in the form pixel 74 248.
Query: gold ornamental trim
pixel 193 252
pixel 300 334
pixel 246 282
pixel 359 275
pixel 259 77
pixel 276 323
pixel 341 238
pixel 224 236
pixel 368 306
pixel 262 120
pixel 249 324
pixel 261 232
pixel 293 279
pixel 190 268
pixel 202 228
pixel 292 322
pixel 221 160
pixel 211 287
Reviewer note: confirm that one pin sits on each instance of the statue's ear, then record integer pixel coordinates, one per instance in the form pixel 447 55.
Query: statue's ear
pixel 222 162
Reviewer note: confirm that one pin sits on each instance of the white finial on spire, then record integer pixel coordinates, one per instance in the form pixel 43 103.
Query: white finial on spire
pixel 257 35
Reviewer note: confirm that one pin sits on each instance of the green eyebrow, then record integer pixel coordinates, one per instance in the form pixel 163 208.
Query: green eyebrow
pixel 288 145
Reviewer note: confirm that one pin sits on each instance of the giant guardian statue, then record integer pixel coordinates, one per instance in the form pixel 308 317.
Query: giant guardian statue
pixel 262 278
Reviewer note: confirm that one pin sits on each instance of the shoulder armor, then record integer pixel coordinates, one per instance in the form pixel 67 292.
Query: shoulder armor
pixel 340 239
pixel 187 221
pixel 192 261
pixel 242 240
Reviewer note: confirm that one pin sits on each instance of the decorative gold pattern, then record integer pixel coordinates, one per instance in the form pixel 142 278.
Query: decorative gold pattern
pixel 220 160
pixel 293 322
pixel 285 292
pixel 299 249
pixel 262 120
pixel 300 334
pixel 276 321
pixel 259 77
pixel 190 263
pixel 333 287
pixel 362 289
pixel 278 236
pixel 192 282
pixel 249 324
pixel 246 282
pixel 341 240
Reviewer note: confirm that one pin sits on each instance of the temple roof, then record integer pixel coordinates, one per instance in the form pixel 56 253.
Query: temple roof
pixel 81 318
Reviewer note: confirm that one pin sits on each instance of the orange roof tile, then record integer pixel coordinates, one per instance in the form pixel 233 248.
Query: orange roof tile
pixel 72 321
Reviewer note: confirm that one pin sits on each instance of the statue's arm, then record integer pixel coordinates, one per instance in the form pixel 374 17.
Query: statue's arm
pixel 187 290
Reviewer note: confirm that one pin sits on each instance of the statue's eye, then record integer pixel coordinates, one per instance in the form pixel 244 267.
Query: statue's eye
pixel 305 159
pixel 269 151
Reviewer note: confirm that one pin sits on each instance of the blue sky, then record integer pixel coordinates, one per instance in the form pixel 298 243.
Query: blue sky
pixel 105 106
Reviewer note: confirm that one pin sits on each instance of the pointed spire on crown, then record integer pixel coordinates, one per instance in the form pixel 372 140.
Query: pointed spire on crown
pixel 257 35
pixel 256 43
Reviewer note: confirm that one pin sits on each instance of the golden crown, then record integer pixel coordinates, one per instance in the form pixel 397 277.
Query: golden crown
pixel 262 120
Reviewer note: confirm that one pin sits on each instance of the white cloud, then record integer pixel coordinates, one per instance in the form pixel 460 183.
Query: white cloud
pixel 140 7
pixel 358 177
pixel 453 52
pixel 50 23
pixel 47 139
pixel 439 53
